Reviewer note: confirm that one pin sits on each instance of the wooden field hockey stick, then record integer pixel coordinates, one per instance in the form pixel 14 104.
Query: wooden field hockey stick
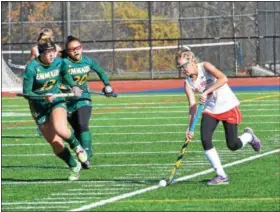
pixel 185 145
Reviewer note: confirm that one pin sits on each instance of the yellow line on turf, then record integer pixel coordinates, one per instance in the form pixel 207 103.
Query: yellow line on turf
pixel 201 200
pixel 261 97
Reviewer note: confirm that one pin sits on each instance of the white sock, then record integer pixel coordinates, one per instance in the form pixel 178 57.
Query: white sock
pixel 214 159
pixel 245 138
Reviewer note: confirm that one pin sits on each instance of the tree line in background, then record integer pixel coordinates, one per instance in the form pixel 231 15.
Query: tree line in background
pixel 21 21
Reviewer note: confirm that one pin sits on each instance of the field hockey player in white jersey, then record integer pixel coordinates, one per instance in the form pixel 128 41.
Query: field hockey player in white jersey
pixel 44 34
pixel 220 103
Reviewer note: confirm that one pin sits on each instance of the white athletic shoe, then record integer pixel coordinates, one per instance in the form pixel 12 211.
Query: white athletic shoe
pixel 81 154
pixel 75 172
pixel 256 142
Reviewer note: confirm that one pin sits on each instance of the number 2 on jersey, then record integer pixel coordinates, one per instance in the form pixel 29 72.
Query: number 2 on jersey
pixel 80 79
pixel 48 85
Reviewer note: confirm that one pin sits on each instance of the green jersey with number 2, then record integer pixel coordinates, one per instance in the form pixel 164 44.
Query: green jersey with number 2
pixel 80 72
pixel 40 79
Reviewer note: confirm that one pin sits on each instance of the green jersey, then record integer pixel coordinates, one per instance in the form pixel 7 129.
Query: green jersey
pixel 39 78
pixel 79 70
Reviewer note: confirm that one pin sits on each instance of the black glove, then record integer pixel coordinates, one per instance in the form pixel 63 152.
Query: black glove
pixel 77 91
pixel 108 91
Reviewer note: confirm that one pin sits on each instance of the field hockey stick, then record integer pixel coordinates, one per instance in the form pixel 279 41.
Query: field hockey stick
pixel 185 145
pixel 101 93
pixel 10 64
pixel 46 95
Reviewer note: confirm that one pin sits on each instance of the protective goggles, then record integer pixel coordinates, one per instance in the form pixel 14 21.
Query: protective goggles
pixel 77 48
pixel 183 66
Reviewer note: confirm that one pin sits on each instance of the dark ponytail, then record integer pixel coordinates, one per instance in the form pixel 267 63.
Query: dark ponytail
pixel 70 38
pixel 63 53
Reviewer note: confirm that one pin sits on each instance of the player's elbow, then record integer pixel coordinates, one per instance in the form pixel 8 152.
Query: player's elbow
pixel 225 79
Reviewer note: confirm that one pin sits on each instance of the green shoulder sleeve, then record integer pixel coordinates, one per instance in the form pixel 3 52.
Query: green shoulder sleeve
pixel 66 76
pixel 28 80
pixel 100 72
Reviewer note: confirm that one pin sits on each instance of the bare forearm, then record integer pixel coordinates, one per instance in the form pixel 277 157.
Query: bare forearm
pixel 220 82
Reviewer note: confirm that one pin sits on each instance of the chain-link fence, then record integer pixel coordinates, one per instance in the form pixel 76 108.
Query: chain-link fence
pixel 138 40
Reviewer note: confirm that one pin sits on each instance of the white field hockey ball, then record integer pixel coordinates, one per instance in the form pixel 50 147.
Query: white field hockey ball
pixel 163 183
pixel 108 89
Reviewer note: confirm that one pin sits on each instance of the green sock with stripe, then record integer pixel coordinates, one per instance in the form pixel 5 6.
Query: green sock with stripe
pixel 67 157
pixel 72 141
pixel 85 139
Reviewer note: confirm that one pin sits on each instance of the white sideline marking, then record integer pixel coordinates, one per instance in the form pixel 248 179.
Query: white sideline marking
pixel 123 196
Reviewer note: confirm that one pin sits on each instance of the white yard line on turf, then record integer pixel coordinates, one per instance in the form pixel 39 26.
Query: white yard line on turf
pixel 128 133
pixel 11 112
pixel 67 198
pixel 141 103
pixel 91 183
pixel 48 208
pixel 115 153
pixel 140 125
pixel 131 142
pixel 153 95
pixel 42 203
pixel 141 191
pixel 105 153
pixel 158 118
pixel 96 189
pixel 84 194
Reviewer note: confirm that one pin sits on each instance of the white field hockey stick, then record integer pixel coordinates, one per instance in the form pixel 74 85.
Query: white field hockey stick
pixel 10 64
pixel 185 145
pixel 46 95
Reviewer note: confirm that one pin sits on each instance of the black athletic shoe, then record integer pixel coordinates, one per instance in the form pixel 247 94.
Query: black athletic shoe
pixel 86 165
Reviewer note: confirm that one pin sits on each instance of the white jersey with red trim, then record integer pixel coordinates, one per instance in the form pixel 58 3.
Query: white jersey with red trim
pixel 221 100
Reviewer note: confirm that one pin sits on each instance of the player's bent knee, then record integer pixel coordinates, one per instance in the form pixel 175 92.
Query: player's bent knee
pixel 63 132
pixel 206 144
pixel 233 146
pixel 83 127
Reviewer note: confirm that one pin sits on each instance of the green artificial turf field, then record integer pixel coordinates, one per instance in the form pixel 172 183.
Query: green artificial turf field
pixel 137 139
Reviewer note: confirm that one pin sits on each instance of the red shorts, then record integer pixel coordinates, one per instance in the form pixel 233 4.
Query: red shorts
pixel 232 116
